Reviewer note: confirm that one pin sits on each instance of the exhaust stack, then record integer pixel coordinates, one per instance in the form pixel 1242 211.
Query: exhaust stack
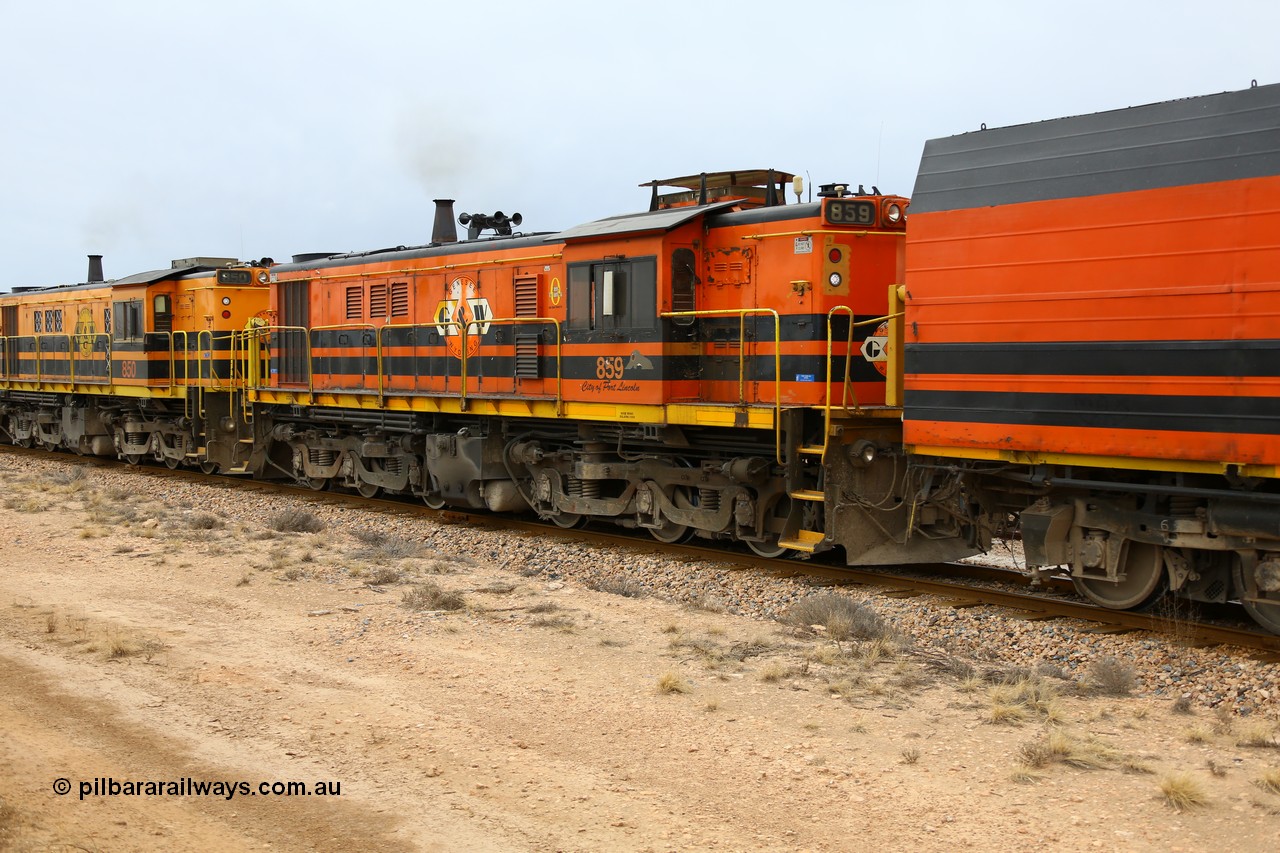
pixel 444 231
pixel 95 269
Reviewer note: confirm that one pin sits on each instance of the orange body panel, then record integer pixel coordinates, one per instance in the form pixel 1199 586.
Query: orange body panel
pixel 1133 324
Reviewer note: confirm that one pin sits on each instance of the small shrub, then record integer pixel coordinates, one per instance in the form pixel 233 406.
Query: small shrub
pixel 1181 705
pixel 295 521
pixel 544 607
pixel 69 477
pixel 621 586
pixel 563 624
pixel 206 521
pixel 841 617
pixel 1182 792
pixel 1111 676
pixel 245 579
pixel 384 575
pixel 293 574
pixel 429 596
pixel 910 755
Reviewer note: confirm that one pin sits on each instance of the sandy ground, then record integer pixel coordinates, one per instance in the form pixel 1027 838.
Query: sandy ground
pixel 136 644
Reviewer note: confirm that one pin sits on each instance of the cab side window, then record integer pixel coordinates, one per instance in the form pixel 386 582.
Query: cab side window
pixel 127 323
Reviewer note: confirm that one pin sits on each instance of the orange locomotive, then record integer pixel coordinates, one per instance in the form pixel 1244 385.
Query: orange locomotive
pixel 1092 311
pixel 145 366
pixel 713 366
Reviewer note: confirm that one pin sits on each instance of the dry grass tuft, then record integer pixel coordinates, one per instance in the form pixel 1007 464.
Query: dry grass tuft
pixel 1258 735
pixel 1197 734
pixel 1269 781
pixel 840 617
pixel 1182 792
pixel 1181 705
pixel 544 607
pixel 910 755
pixel 670 682
pixel 775 672
pixel 1111 676
pixel 563 624
pixel 378 547
pixel 1059 747
pixel 429 596
pixel 295 521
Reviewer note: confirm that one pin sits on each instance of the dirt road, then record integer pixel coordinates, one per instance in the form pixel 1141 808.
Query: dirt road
pixel 150 636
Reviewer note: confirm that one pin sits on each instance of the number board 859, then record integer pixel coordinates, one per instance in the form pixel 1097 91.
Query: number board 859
pixel 840 211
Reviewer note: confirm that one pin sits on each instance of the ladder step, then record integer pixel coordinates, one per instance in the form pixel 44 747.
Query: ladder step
pixel 812 449
pixel 243 469
pixel 804 540
pixel 808 495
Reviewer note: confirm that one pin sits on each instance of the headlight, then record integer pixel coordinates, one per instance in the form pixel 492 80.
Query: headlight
pixel 262 277
pixel 893 213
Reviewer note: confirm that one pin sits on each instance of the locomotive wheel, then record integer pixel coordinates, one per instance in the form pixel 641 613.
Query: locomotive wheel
pixel 367 490
pixel 670 532
pixel 316 484
pixel 1144 581
pixel 569 520
pixel 768 548
pixel 775 519
pixel 434 501
pixel 209 467
pixel 171 464
pixel 25 442
pixel 133 458
pixel 1265 614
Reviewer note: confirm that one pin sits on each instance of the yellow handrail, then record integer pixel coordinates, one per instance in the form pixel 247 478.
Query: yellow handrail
pixel 847 384
pixel 741 314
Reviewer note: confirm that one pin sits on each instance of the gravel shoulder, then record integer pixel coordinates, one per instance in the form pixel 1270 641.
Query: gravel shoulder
pixel 577 699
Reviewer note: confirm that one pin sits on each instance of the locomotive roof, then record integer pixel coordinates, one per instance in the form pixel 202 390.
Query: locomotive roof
pixel 745 178
pixel 137 278
pixel 1219 137
pixel 649 220
pixel 612 226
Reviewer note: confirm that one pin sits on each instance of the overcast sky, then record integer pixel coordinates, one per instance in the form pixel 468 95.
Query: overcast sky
pixel 147 131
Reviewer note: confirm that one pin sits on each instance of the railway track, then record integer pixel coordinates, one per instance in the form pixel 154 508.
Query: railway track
pixel 952 585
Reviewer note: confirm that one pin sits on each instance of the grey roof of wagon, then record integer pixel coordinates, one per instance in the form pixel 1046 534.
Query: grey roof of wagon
pixel 1211 138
